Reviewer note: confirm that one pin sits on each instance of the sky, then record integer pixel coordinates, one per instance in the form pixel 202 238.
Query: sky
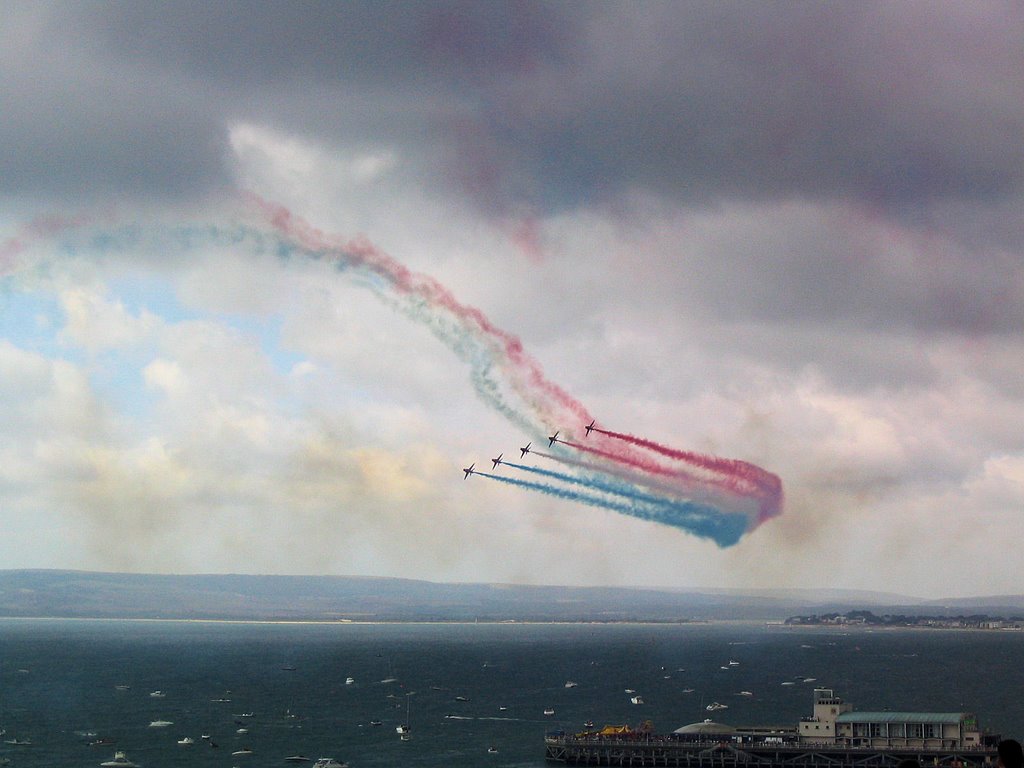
pixel 790 235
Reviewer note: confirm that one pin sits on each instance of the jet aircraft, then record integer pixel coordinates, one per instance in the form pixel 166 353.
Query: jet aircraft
pixel 590 426
pixel 497 461
pixel 524 451
pixel 552 439
pixel 468 470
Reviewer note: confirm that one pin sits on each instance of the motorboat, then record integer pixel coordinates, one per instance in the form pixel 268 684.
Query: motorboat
pixel 549 711
pixel 241 752
pixel 160 723
pixel 571 683
pixel 187 741
pixel 349 680
pixel 329 762
pixel 636 700
pixel 298 759
pixel 157 695
pixel 714 705
pixel 492 750
pixel 120 760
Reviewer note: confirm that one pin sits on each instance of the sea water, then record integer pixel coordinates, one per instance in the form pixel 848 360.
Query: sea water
pixel 463 688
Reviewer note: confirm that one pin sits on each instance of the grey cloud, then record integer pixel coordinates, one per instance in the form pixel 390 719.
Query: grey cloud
pixel 539 106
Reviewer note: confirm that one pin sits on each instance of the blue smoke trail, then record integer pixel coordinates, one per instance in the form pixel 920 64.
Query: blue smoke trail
pixel 724 530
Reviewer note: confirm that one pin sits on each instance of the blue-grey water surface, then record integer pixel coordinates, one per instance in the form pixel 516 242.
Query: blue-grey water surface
pixel 287 685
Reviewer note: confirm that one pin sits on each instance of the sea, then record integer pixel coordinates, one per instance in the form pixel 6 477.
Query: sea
pixel 472 694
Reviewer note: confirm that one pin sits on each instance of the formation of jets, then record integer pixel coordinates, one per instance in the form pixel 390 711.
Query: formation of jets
pixel 552 439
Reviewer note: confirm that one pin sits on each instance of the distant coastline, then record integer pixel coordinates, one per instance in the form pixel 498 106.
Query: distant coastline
pixel 359 599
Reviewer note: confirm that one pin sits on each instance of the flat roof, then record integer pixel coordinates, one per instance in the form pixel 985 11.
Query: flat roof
pixel 903 717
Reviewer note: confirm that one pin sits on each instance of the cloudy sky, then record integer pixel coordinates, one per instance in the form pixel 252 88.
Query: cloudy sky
pixel 787 233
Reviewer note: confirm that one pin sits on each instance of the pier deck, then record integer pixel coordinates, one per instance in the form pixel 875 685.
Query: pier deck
pixel 657 751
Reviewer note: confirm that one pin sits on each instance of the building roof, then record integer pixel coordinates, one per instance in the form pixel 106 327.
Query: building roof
pixel 707 726
pixel 902 717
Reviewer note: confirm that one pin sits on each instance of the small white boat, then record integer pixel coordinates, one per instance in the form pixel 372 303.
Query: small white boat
pixel 157 695
pixel 745 693
pixel 492 750
pixel 242 730
pixel 120 760
pixel 714 705
pixel 19 742
pixel 636 700
pixel 187 741
pixel 549 711
pixel 734 663
pixel 205 737
pixel 329 762
pixel 241 752
pixel 571 684
pixel 160 723
pixel 349 680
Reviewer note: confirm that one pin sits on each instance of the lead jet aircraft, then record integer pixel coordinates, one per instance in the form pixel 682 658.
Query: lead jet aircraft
pixel 590 426
pixel 468 470
pixel 497 461
pixel 552 439
pixel 524 451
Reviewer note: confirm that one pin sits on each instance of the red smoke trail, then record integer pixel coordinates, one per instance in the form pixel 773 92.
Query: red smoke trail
pixel 689 481
pixel 363 253
pixel 768 484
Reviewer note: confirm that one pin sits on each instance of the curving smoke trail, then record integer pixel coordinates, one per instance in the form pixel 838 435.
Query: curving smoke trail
pixel 503 374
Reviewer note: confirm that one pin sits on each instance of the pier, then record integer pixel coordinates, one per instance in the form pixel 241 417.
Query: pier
pixel 657 751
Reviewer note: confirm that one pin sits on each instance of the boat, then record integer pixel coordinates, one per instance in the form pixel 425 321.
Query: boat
pixel 375 723
pixel 328 762
pixel 160 723
pixel 636 700
pixel 120 760
pixel 461 698
pixel 745 693
pixel 549 711
pixel 405 729
pixel 492 750
pixel 122 687
pixel 157 695
pixel 242 730
pixel 103 741
pixel 241 752
pixel 187 741
pixel 588 724
pixel 19 742
pixel 349 680
pixel 571 684
pixel 714 705
pixel 297 759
